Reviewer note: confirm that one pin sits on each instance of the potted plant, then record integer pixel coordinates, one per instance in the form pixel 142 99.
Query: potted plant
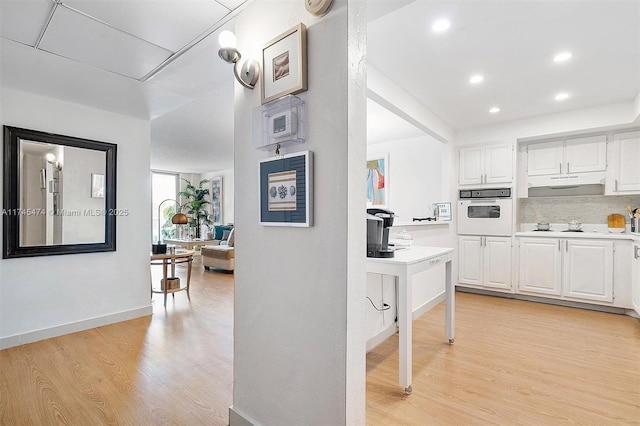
pixel 195 206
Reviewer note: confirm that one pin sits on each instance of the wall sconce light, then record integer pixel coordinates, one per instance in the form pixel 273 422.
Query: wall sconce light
pixel 51 159
pixel 249 71
pixel 177 219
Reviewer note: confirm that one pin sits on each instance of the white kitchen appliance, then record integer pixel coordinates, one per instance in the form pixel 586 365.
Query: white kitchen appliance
pixel 485 212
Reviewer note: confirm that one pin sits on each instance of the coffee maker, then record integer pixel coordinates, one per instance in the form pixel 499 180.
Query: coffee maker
pixel 378 223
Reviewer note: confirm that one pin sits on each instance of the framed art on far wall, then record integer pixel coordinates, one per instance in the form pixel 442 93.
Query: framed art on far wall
pixel 284 64
pixel 378 182
pixel 216 200
pixel 286 190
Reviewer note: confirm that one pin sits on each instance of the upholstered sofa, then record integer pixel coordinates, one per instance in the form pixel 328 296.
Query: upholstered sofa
pixel 220 256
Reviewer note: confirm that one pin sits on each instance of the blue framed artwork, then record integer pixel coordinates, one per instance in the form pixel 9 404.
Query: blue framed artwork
pixel 216 200
pixel 286 190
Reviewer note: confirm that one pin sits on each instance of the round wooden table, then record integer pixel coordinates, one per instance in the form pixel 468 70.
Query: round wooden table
pixel 171 259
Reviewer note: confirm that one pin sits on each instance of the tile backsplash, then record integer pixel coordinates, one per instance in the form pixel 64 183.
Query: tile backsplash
pixel 592 209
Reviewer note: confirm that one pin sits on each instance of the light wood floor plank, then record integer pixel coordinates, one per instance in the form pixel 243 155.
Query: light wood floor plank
pixel 513 362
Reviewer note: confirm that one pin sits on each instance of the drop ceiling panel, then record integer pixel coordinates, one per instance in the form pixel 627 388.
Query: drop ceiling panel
pixel 78 37
pixel 170 24
pixel 23 21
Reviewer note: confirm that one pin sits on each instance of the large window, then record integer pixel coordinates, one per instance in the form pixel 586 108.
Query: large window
pixel 164 186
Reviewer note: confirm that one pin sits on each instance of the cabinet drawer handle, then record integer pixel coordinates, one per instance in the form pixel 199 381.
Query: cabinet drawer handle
pixel 434 261
pixel 559 242
pixel 568 168
pixel 636 251
pixel 560 168
pixel 616 185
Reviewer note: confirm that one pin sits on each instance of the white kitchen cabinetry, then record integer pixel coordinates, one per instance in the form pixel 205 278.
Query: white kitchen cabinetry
pixel 635 278
pixel 485 261
pixel 545 158
pixel 567 268
pixel 540 266
pixel 486 164
pixel 567 157
pixel 625 158
pixel 588 270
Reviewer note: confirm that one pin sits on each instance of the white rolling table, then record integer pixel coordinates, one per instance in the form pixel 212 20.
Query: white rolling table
pixel 403 266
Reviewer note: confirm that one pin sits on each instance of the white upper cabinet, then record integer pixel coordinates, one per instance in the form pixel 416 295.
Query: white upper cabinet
pixel 625 160
pixel 471 166
pixel 486 164
pixel 587 154
pixel 565 157
pixel 545 158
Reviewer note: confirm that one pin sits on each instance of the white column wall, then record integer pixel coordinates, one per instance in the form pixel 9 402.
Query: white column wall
pixel 299 348
pixel 42 297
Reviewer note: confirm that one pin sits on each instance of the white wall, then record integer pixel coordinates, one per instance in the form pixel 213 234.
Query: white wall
pixel 45 296
pixel 299 348
pixel 602 117
pixel 415 175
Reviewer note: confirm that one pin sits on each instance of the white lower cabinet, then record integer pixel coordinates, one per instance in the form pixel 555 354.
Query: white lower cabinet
pixel 485 261
pixel 635 278
pixel 588 270
pixel 540 266
pixel 577 269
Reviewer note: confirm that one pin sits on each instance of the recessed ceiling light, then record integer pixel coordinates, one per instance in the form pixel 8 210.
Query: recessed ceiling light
pixel 561 57
pixel 440 25
pixel 561 96
pixel 476 79
pixel 494 110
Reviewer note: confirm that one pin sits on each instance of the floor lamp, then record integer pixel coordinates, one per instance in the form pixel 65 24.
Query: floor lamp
pixel 177 219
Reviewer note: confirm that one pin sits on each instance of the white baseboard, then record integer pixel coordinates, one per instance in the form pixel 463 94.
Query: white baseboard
pixel 381 336
pixel 393 328
pixel 238 419
pixel 59 330
pixel 428 305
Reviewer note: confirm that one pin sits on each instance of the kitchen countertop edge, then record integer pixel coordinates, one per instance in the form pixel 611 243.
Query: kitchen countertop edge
pixel 589 235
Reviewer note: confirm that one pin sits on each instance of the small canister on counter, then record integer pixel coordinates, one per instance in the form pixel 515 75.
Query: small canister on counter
pixel 616 223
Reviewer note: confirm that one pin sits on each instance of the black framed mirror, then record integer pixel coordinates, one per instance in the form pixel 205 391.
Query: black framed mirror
pixel 59 194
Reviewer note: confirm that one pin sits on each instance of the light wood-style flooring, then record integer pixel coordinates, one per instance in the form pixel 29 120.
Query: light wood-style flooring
pixel 513 362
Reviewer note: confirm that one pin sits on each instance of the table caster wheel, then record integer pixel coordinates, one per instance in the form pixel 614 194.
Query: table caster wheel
pixel 451 341
pixel 408 390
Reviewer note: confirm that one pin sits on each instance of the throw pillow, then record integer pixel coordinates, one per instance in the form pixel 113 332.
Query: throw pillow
pixel 231 240
pixel 219 231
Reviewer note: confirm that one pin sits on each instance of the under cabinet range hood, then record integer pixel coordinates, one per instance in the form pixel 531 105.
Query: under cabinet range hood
pixel 567 180
pixel 591 183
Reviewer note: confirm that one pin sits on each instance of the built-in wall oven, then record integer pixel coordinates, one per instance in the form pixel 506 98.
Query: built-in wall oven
pixel 485 212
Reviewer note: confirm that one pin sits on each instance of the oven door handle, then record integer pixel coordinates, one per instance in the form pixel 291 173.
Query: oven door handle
pixel 484 201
